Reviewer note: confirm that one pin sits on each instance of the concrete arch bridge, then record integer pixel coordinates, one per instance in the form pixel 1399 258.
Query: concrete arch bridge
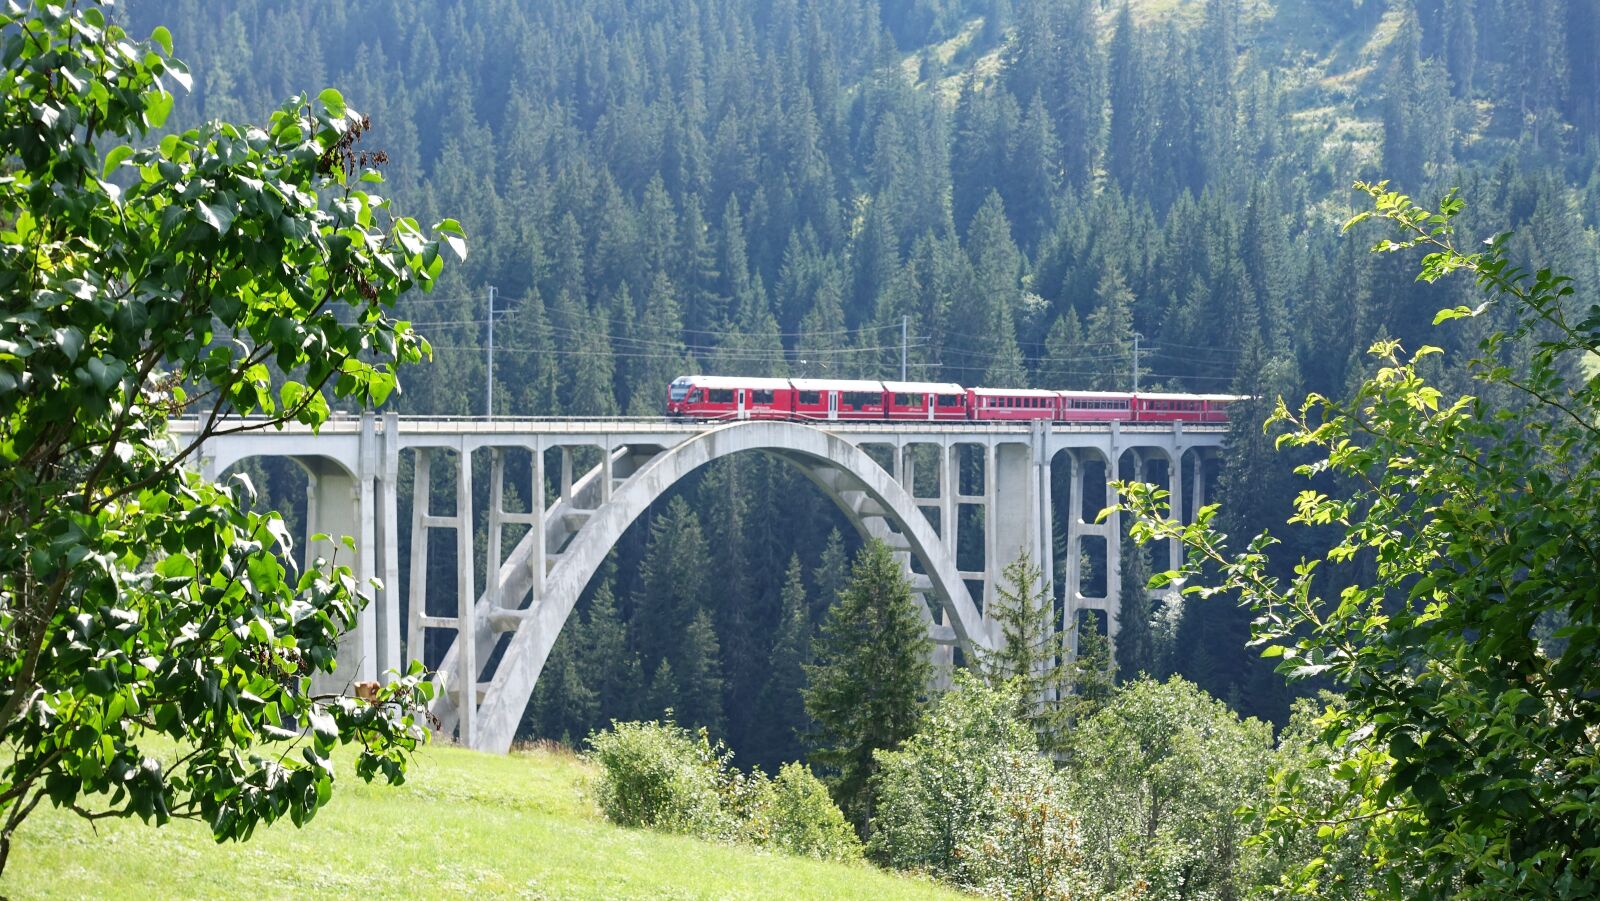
pixel 917 486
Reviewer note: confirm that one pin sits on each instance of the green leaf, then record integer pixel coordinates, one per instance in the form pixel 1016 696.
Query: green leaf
pixel 334 101
pixel 163 37
pixel 157 107
pixel 114 159
pixel 218 216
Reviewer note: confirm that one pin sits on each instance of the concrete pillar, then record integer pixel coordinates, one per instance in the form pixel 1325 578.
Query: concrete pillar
pixel 466 603
pixel 1175 504
pixel 422 489
pixel 389 531
pixel 949 479
pixel 492 556
pixel 537 532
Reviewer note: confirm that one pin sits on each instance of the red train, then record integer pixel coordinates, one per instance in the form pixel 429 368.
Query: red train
pixel 710 397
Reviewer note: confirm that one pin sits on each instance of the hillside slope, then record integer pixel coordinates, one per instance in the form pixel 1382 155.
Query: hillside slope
pixel 465 824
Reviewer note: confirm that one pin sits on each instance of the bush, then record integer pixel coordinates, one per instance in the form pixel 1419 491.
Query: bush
pixel 970 800
pixel 662 776
pixel 795 814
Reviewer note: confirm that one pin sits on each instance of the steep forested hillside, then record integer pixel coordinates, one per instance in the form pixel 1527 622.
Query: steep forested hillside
pixel 770 186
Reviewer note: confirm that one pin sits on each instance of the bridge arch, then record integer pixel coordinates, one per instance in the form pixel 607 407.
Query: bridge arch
pixel 874 502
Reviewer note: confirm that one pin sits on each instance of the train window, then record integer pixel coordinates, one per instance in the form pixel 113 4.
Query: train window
pixel 908 400
pixel 720 396
pixel 694 396
pixel 812 398
pixel 761 397
pixel 949 400
pixel 861 399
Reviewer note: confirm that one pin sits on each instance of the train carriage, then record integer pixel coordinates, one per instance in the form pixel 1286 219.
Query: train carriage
pixel 836 399
pixel 1159 407
pixel 1096 406
pixel 723 397
pixel 1012 404
pixel 927 401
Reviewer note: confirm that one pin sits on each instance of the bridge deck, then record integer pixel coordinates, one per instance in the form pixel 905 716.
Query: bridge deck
pixel 478 425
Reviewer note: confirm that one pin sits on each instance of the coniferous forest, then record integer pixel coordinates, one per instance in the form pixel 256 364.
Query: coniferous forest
pixel 655 187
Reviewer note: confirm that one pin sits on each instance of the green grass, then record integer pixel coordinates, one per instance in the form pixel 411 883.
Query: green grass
pixel 464 825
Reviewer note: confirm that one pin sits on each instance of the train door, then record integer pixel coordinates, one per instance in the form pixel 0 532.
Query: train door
pixel 833 405
pixel 931 399
pixel 743 395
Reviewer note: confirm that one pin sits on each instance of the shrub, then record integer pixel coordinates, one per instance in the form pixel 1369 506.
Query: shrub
pixel 661 776
pixel 795 814
pixel 970 801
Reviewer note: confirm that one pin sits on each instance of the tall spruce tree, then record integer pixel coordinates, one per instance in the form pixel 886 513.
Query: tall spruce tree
pixel 869 684
pixel 699 677
pixel 780 709
pixel 1030 651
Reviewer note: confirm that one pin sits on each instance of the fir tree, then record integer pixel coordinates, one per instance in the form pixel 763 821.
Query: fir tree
pixel 1135 642
pixel 781 715
pixel 1030 650
pixel 700 679
pixel 868 686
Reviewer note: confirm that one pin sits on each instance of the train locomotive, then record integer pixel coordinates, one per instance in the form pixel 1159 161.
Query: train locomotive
pixel 710 398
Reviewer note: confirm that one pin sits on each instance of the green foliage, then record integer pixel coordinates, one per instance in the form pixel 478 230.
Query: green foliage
pixel 793 813
pixel 1031 654
pixel 224 270
pixel 970 801
pixel 867 687
pixel 662 776
pixel 1462 747
pixel 1155 777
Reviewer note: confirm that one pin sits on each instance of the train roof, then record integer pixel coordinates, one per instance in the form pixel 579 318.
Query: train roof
pixel 924 387
pixel 1170 395
pixel 1013 392
pixel 836 385
pixel 726 381
pixel 1118 394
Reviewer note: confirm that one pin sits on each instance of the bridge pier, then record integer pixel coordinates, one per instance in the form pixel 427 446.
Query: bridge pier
pixel 501 636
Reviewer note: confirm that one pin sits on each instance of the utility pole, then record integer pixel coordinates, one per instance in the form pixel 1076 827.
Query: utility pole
pixel 904 321
pixel 1136 337
pixel 488 393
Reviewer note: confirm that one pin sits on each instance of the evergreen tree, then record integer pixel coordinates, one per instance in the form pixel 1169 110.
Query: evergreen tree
pixel 781 715
pixel 1030 652
pixel 830 576
pixel 1109 332
pixel 673 582
pixel 1136 652
pixel 700 679
pixel 607 661
pixel 661 698
pixel 868 686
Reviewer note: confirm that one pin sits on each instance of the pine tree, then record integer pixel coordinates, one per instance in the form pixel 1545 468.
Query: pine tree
pixel 1030 650
pixel 606 659
pixel 563 707
pixel 1109 331
pixel 700 679
pixel 868 686
pixel 661 698
pixel 673 583
pixel 780 709
pixel 1136 654
pixel 830 577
